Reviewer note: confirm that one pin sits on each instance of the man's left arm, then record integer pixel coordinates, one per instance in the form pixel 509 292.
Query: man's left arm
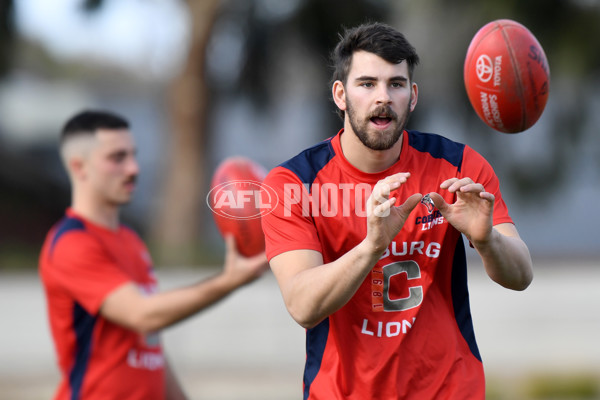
pixel 504 254
pixel 506 257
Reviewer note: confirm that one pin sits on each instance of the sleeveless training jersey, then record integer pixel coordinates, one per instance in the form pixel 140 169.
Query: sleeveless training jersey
pixel 407 332
pixel 80 264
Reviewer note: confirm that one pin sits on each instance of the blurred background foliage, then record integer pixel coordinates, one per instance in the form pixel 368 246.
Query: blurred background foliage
pixel 250 77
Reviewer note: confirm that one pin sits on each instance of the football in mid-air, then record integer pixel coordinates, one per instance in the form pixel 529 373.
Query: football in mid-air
pixel 507 76
pixel 235 200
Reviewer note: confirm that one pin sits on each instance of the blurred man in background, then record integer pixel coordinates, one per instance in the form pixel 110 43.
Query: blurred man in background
pixel 374 270
pixel 103 302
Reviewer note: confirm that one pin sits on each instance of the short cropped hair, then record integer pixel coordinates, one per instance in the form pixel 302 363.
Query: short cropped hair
pixel 89 121
pixel 377 38
pixel 83 126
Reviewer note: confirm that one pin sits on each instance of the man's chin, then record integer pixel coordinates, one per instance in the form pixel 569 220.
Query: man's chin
pixel 381 141
pixel 121 201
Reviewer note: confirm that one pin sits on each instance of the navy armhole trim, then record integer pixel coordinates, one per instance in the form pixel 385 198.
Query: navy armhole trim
pixel 437 146
pixel 308 163
pixel 66 225
pixel 83 323
pixel 460 297
pixel 316 339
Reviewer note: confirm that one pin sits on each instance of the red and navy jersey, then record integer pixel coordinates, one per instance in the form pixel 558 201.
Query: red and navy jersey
pixel 407 332
pixel 80 264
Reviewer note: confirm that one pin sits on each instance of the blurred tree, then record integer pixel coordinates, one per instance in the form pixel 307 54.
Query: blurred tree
pixel 7 34
pixel 317 24
pixel 176 229
pixel 91 5
pixel 23 219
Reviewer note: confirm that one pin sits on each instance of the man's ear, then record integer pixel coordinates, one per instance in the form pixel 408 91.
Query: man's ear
pixel 413 96
pixel 76 166
pixel 339 95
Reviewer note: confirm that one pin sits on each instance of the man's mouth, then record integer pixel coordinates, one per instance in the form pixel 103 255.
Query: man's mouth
pixel 381 120
pixel 382 117
pixel 130 183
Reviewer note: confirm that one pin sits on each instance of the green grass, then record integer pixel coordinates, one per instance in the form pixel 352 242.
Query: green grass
pixel 576 386
pixel 545 386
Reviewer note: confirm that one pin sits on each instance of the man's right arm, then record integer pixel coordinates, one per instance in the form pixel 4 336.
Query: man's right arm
pixel 128 307
pixel 312 290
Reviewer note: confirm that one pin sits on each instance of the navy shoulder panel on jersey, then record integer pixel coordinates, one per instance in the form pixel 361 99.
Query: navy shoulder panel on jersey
pixel 307 164
pixel 438 146
pixel 460 297
pixel 67 224
pixel 84 329
pixel 316 340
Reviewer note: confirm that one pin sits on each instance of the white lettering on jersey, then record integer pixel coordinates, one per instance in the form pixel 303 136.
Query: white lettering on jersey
pixel 145 360
pixel 392 329
pixel 432 249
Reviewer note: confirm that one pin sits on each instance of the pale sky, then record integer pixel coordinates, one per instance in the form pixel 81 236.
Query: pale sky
pixel 130 33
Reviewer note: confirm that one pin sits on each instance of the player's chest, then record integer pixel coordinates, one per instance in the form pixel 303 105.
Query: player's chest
pixel 132 257
pixel 342 223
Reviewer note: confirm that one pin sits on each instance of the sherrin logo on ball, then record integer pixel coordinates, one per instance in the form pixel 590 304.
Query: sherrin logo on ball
pixel 506 76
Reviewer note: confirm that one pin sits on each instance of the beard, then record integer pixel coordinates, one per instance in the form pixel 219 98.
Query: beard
pixel 383 140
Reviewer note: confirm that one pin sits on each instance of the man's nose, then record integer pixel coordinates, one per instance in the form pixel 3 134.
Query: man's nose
pixel 133 167
pixel 383 95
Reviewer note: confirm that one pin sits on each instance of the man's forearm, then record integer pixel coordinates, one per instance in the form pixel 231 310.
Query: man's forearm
pixel 507 260
pixel 315 293
pixel 167 308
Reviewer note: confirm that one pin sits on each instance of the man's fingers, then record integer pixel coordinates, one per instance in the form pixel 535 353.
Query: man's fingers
pixel 383 209
pixel 438 201
pixel 384 187
pixel 411 203
pixel 381 193
pixel 455 184
pixel 446 184
pixel 393 182
pixel 380 203
pixel 400 176
pixel 472 188
pixel 230 243
pixel 259 262
pixel 487 196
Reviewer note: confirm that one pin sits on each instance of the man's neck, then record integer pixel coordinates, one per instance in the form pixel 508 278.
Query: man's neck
pixel 106 216
pixel 365 159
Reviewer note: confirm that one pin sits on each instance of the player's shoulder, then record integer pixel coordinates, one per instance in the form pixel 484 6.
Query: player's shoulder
pixel 73 236
pixel 418 137
pixel 437 146
pixel 69 229
pixel 129 233
pixel 306 164
pixel 68 239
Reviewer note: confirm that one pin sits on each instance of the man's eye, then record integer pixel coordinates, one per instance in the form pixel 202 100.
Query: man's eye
pixel 367 84
pixel 119 157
